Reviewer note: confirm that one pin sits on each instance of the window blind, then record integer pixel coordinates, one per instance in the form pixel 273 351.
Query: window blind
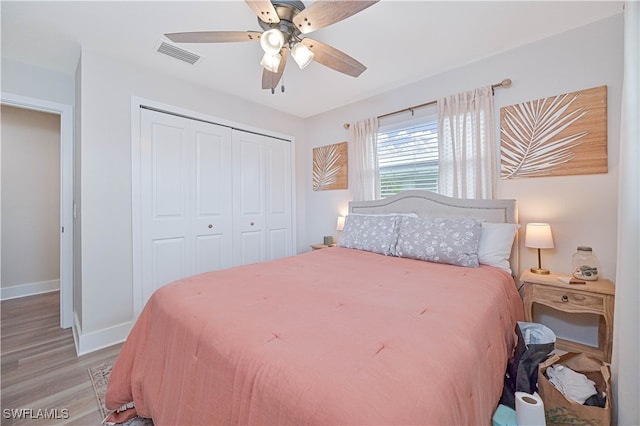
pixel 408 156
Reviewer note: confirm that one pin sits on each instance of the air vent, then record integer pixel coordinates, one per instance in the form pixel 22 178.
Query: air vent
pixel 178 53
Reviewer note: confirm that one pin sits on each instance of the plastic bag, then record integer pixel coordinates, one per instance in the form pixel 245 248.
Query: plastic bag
pixel 535 343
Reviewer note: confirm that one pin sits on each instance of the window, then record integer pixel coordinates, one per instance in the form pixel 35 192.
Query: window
pixel 408 155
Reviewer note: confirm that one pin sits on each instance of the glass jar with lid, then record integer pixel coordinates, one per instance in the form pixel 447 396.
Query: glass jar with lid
pixel 585 264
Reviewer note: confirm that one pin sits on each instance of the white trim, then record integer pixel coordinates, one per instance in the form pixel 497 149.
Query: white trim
pixel 66 193
pixel 29 289
pixel 136 216
pixel 136 104
pixel 96 340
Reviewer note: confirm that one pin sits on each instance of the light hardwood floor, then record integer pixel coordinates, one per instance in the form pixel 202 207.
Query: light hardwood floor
pixel 40 369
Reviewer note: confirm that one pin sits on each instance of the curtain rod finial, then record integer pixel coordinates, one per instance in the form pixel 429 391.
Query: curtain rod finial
pixel 346 126
pixel 506 82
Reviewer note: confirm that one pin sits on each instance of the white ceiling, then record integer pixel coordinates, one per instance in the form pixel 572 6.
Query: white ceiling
pixel 399 41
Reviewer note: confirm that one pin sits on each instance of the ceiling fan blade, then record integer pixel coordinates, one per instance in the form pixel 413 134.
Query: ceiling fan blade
pixel 265 10
pixel 333 58
pixel 214 36
pixel 322 13
pixel 270 79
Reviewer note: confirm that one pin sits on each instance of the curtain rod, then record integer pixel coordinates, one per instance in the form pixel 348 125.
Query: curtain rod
pixel 506 83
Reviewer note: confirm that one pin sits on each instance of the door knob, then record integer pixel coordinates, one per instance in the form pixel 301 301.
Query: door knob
pixel 210 226
pixel 251 223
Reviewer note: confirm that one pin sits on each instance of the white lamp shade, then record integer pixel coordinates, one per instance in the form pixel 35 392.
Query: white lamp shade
pixel 302 55
pixel 272 41
pixel 340 223
pixel 538 235
pixel 271 62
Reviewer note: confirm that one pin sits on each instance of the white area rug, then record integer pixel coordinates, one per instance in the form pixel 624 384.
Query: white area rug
pixel 99 379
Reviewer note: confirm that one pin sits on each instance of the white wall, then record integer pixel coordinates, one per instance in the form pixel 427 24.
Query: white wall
pixel 581 209
pixel 35 82
pixel 30 201
pixel 106 88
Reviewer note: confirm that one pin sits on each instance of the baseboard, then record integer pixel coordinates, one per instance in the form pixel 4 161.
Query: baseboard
pixel 29 289
pixel 96 340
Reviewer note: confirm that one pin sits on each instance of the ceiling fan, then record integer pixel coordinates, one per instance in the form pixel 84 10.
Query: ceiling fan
pixel 284 23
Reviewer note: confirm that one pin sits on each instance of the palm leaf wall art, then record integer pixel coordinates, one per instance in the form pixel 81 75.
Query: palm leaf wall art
pixel 330 167
pixel 555 136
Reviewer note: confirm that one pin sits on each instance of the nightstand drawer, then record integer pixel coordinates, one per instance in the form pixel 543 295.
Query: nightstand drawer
pixel 568 299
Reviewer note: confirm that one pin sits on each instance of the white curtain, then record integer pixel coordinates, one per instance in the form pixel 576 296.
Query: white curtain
pixel 466 145
pixel 364 177
pixel 626 334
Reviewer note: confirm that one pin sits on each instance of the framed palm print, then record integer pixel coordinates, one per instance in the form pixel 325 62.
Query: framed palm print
pixel 330 167
pixel 555 136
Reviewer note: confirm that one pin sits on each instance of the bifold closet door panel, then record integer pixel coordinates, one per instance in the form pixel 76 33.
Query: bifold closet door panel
pixel 249 186
pixel 278 199
pixel 165 209
pixel 213 197
pixel 186 198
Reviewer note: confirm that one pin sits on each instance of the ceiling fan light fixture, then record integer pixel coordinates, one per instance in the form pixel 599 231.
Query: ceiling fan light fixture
pixel 282 23
pixel 272 41
pixel 271 62
pixel 302 55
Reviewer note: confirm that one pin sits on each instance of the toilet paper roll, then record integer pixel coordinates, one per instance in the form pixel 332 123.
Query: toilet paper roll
pixel 529 409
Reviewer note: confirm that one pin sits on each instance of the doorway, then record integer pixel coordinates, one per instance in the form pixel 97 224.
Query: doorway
pixel 64 205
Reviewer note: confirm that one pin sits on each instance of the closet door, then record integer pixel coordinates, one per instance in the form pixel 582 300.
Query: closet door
pixel 165 200
pixel 186 198
pixel 278 198
pixel 213 197
pixel 262 198
pixel 249 238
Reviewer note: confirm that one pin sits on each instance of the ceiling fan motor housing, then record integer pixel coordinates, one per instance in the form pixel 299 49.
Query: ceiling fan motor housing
pixel 286 10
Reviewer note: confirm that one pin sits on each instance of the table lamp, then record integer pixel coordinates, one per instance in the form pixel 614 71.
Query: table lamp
pixel 538 235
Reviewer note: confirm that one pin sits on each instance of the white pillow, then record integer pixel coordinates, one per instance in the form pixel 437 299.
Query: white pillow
pixel 495 244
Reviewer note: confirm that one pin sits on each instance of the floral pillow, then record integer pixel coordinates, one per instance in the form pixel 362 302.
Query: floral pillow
pixel 373 233
pixel 452 241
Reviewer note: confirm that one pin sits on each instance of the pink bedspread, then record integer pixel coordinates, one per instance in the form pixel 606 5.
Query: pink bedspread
pixel 335 336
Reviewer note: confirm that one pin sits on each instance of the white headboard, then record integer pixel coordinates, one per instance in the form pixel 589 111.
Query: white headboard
pixel 426 203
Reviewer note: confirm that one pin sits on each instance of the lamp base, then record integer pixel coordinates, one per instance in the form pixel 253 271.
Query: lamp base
pixel 540 271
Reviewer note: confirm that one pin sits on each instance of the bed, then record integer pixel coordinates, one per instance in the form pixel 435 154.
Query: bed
pixel 344 335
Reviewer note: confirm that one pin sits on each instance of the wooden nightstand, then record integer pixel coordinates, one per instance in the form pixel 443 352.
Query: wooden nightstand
pixel 595 297
pixel 321 246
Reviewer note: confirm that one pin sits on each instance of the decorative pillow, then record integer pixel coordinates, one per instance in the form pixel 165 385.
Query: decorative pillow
pixel 373 233
pixel 495 244
pixel 452 241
